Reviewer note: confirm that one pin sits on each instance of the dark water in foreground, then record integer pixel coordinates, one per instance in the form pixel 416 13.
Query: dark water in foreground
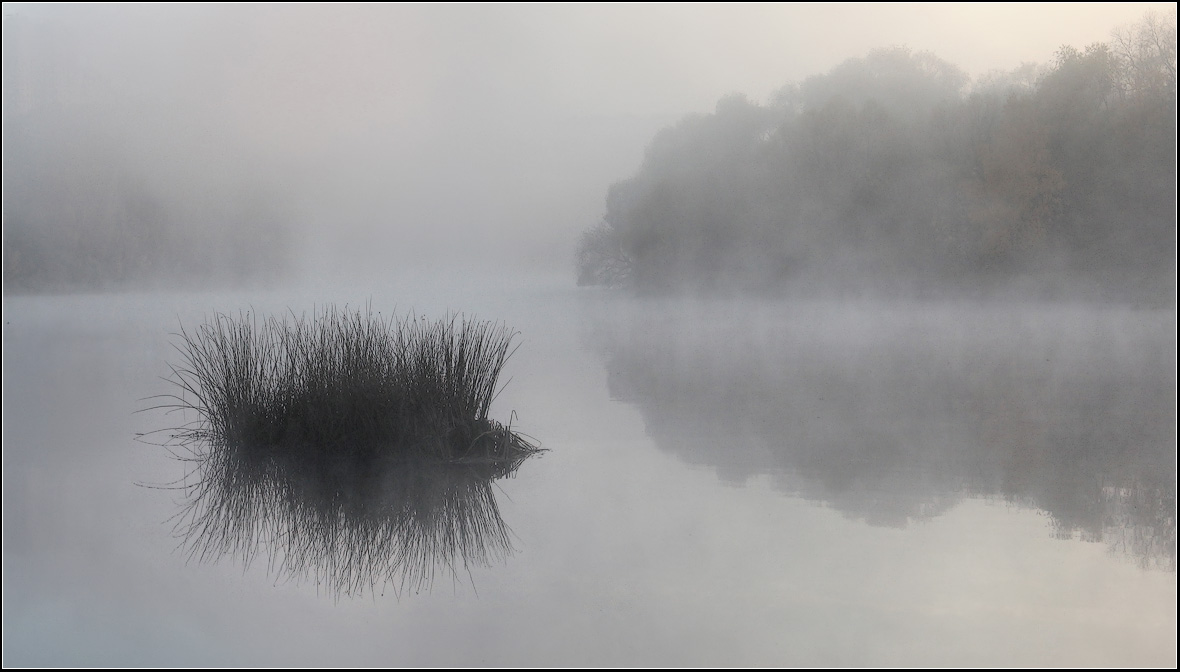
pixel 727 484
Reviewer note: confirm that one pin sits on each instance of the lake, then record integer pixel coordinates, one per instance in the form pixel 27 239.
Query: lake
pixel 829 483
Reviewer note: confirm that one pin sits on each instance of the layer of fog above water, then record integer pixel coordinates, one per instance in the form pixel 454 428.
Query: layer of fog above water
pixel 728 483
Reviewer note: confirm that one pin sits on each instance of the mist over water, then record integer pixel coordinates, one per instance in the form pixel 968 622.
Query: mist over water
pixel 894 413
pixel 861 470
pixel 790 433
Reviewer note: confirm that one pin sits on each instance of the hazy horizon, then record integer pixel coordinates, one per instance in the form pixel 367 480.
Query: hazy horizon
pixel 479 134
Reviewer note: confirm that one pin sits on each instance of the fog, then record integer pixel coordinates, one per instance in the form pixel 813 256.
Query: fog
pixel 354 138
pixel 841 335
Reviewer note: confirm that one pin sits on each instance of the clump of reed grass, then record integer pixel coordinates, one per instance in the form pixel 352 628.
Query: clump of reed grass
pixel 351 449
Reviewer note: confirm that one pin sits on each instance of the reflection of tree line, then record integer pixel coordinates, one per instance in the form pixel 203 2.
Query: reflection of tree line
pixel 902 417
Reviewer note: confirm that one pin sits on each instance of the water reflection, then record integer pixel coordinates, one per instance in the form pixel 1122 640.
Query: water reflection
pixel 895 414
pixel 345 448
pixel 350 528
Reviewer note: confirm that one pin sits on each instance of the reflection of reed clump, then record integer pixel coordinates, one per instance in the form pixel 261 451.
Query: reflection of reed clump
pixel 354 450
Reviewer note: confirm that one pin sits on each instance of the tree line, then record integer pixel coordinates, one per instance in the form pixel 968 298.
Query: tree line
pixel 893 173
pixel 103 191
pixel 83 213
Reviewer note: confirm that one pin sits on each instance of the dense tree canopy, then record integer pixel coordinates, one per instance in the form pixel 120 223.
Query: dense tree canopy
pixel 890 174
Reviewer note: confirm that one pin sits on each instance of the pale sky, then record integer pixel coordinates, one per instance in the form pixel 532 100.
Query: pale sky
pixel 660 59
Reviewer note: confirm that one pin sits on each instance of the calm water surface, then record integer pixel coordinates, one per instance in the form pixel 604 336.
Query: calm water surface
pixel 728 483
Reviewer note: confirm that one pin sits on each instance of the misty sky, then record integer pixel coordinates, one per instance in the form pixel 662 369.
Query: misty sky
pixel 414 132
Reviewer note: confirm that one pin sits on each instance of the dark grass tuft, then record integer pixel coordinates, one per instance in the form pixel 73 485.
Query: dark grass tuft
pixel 351 449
